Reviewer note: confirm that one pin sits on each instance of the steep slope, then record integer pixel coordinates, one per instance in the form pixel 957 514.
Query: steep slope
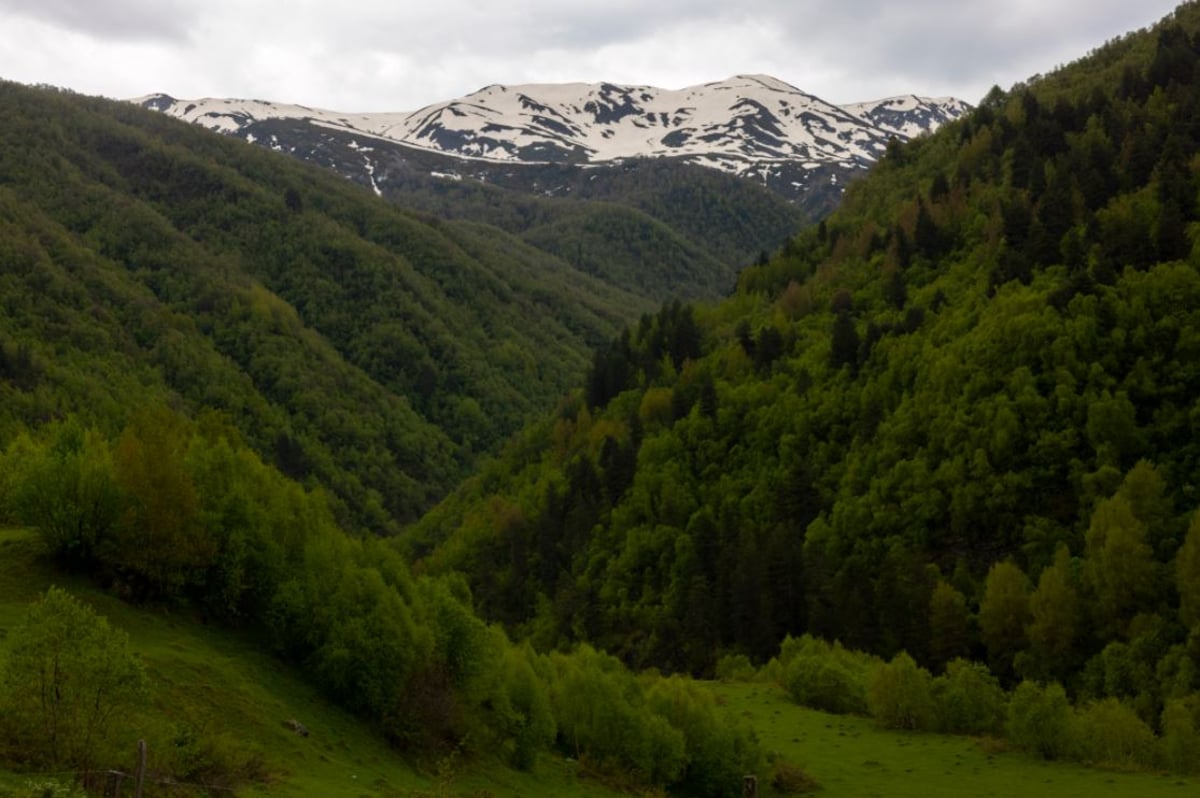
pixel 986 355
pixel 721 221
pixel 752 126
pixel 725 220
pixel 368 349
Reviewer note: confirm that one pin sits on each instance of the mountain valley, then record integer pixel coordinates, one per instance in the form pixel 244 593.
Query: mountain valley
pixel 558 439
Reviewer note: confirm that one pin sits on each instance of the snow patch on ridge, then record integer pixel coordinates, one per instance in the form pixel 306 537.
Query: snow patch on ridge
pixel 735 125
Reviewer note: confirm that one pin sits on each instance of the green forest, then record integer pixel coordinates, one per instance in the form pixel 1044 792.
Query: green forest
pixel 955 419
pixel 932 461
pixel 371 351
pixel 666 229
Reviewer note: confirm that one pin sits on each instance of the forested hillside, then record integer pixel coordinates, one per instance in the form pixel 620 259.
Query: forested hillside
pixel 639 224
pixel 369 350
pixel 956 418
pixel 182 517
pixel 219 368
pixel 664 229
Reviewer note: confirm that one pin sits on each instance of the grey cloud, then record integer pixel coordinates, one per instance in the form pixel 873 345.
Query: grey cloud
pixel 513 29
pixel 966 43
pixel 401 54
pixel 111 19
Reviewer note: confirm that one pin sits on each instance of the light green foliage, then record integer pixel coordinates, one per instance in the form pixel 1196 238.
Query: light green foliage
pixel 63 485
pixel 900 695
pixel 719 753
pixel 1127 671
pixel 969 699
pixel 1112 428
pixel 1181 734
pixel 462 642
pixel 348 614
pixel 172 509
pixel 1039 719
pixel 736 668
pixel 1109 732
pixel 602 715
pixel 823 676
pixel 66 680
pixel 215 709
pixel 526 710
pixel 258 520
pixel 1178 670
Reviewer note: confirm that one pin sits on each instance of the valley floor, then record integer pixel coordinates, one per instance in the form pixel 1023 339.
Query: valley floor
pixel 219 684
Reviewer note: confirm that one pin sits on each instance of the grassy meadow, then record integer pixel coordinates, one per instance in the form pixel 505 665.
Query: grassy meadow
pixel 849 756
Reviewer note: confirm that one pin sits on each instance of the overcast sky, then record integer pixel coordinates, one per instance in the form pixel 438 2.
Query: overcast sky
pixel 398 55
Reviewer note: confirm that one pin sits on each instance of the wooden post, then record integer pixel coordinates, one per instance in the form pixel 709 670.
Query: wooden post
pixel 750 787
pixel 140 776
pixel 112 784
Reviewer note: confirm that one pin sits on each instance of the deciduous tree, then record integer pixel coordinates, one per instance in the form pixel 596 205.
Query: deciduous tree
pixel 1004 614
pixel 949 624
pixel 67 677
pixel 1054 619
pixel 161 546
pixel 1120 569
pixel 1039 719
pixel 900 694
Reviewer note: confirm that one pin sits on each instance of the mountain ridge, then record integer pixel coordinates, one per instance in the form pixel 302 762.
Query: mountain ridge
pixel 752 126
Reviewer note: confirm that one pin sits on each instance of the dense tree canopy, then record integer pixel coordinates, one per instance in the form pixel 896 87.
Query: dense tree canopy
pixel 955 419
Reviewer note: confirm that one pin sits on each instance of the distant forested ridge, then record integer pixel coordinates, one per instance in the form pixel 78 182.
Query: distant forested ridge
pixel 958 418
pixel 641 225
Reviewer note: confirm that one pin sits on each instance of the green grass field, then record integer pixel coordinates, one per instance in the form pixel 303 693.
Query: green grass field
pixel 849 756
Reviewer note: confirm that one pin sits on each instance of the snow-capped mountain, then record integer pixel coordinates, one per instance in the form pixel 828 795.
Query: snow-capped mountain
pixel 753 126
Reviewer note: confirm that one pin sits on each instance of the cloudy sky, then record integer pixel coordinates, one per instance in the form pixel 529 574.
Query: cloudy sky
pixel 398 55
